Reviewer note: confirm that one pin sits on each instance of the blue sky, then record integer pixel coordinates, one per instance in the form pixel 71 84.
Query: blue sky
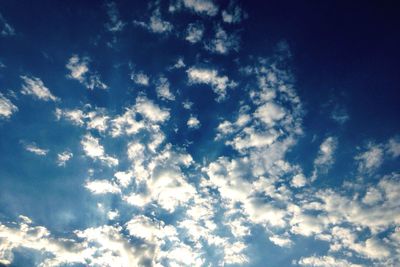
pixel 199 133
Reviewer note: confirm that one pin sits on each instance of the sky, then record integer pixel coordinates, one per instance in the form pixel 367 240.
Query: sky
pixel 199 133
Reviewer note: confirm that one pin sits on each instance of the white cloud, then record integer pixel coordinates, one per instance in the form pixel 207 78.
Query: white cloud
pixel 5 28
pixel 201 7
pixel 163 89
pixel 115 24
pixel 193 122
pixel 35 87
pixel 325 157
pixel 299 180
pixel 340 115
pixel 218 83
pixel 150 111
pixel 223 42
pixel 371 159
pixel 92 148
pixel 102 187
pixel 156 23
pixel 179 64
pixel 233 14
pixel 63 157
pixel 140 78
pixel 36 150
pixel 393 147
pixel 325 261
pixel 187 104
pixel 269 113
pixel 79 70
pixel 7 108
pixel 194 32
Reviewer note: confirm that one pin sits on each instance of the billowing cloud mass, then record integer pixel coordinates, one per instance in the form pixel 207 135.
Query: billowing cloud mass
pixel 7 108
pixel 35 87
pixel 197 154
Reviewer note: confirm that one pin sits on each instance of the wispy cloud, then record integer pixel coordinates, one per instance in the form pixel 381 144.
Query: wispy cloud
pixel 33 148
pixel 35 87
pixel 219 84
pixel 5 28
pixel 79 70
pixel 7 108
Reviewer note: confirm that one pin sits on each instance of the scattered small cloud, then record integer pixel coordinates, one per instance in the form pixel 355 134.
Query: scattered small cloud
pixel 201 7
pixel 223 42
pixel 140 78
pixel 193 122
pixel 5 28
pixel 156 23
pixel 33 148
pixel 211 77
pixel 371 159
pixel 35 87
pixel 163 89
pixel 115 24
pixel 325 157
pixel 194 32
pixel 233 14
pixel 7 108
pixel 79 70
pixel 63 157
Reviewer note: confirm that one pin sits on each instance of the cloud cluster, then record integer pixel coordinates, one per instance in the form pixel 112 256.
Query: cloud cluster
pixel 79 70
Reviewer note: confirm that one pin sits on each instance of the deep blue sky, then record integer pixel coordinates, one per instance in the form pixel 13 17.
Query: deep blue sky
pixel 199 133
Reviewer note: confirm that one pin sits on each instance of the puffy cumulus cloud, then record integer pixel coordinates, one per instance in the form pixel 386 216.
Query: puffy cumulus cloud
pixel 163 89
pixel 194 32
pixel 92 119
pixel 35 87
pixel 150 111
pixel 193 122
pixel 233 13
pixel 219 84
pixel 5 28
pixel 63 157
pixel 371 159
pixel 102 187
pixel 325 261
pixel 223 42
pixel 93 149
pixel 202 7
pixel 299 180
pixel 156 24
pixel 33 148
pixel 114 24
pixel 79 70
pixel 7 108
pixel 140 78
pixel 325 157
